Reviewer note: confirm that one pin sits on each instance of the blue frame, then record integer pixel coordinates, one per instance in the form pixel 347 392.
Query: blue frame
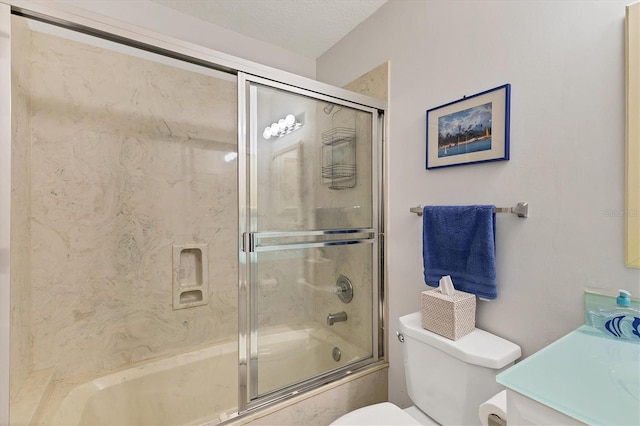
pixel 479 112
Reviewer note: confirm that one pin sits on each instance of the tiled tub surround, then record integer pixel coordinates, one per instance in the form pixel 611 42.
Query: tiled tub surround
pixel 116 159
pixel 20 357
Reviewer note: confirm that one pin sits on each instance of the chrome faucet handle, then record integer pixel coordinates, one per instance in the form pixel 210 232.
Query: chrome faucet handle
pixel 344 289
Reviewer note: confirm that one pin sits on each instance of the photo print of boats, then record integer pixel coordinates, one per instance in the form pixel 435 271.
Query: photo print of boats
pixel 466 131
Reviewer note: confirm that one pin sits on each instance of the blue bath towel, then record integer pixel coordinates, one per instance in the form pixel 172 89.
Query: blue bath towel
pixel 460 241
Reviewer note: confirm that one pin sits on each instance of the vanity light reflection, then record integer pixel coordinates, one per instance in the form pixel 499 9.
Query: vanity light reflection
pixel 282 127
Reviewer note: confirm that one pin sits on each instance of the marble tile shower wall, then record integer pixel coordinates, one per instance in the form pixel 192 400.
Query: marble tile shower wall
pixel 127 160
pixel 283 299
pixel 20 356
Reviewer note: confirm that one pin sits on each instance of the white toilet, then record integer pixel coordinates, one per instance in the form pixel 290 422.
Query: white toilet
pixel 447 380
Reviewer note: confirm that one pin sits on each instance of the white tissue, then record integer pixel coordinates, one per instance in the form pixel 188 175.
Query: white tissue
pixel 446 285
pixel 496 405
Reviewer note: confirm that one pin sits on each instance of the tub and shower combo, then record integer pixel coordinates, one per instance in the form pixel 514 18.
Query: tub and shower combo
pixel 193 238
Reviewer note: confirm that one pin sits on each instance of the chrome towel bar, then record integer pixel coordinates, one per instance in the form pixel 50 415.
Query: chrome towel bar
pixel 521 209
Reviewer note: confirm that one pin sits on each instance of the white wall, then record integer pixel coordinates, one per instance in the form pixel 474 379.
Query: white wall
pixel 161 19
pixel 565 62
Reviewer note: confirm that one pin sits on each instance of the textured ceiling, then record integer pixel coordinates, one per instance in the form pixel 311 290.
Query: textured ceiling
pixel 306 27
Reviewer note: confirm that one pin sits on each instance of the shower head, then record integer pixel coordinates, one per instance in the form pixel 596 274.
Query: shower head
pixel 328 108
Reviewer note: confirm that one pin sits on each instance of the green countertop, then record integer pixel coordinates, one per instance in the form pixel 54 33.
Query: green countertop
pixel 585 375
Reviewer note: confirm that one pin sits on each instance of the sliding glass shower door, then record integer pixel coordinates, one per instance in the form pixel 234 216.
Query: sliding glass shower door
pixel 309 238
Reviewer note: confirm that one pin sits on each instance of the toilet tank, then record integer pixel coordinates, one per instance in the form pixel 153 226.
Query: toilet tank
pixel 447 379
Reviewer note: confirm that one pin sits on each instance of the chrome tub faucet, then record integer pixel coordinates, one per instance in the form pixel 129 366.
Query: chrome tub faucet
pixel 333 318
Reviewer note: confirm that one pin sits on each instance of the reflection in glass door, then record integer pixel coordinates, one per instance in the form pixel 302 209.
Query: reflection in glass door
pixel 309 222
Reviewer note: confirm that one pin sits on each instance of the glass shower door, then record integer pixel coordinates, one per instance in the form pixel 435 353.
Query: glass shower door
pixel 309 239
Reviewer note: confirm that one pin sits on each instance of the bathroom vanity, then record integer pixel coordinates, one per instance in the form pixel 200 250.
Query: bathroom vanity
pixel 584 377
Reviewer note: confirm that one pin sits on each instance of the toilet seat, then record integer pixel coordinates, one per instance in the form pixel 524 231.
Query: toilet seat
pixel 381 414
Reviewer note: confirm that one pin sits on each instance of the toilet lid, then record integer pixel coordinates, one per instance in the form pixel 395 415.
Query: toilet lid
pixel 379 414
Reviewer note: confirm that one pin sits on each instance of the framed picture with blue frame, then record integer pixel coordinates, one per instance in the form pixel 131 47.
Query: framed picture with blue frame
pixel 474 129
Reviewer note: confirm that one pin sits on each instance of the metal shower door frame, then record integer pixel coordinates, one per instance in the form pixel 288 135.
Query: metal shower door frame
pixel 249 237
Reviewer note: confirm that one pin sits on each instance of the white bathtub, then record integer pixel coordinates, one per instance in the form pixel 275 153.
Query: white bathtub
pixel 199 386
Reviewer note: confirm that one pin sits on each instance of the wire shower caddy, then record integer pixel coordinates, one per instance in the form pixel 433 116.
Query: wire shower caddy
pixel 339 157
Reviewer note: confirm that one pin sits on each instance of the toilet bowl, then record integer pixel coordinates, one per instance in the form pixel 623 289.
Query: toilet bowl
pixel 384 413
pixel 447 380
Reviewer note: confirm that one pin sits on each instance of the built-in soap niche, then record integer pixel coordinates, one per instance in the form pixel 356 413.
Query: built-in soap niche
pixel 190 275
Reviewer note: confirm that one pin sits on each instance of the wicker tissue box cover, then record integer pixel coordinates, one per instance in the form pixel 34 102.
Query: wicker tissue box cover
pixel 449 316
